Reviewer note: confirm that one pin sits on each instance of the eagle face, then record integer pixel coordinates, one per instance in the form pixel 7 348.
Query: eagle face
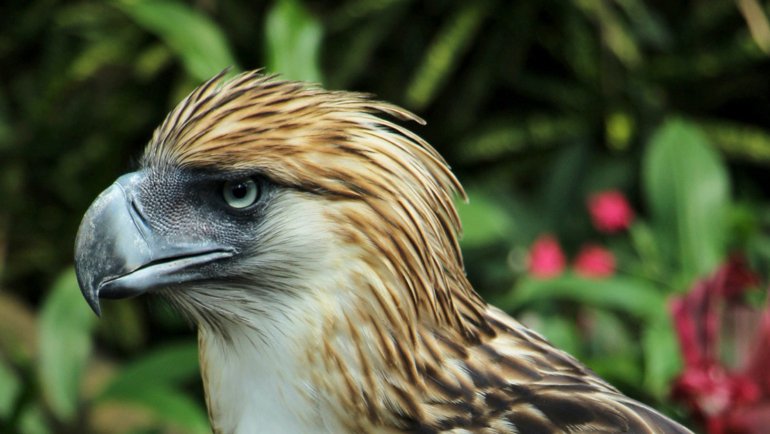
pixel 314 244
pixel 187 233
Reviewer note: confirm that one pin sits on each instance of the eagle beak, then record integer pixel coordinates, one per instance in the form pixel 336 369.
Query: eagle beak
pixel 117 254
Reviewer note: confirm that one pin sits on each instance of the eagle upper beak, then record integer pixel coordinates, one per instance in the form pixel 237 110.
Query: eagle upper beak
pixel 118 255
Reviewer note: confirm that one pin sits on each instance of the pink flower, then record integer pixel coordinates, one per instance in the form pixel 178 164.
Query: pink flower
pixel 610 211
pixel 546 258
pixel 711 320
pixel 595 261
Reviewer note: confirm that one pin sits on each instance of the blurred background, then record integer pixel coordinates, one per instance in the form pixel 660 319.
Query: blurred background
pixel 615 153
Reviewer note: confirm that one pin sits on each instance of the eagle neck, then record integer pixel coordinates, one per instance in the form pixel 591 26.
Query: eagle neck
pixel 256 383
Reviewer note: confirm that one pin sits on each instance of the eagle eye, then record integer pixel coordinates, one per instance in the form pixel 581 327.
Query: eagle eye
pixel 240 193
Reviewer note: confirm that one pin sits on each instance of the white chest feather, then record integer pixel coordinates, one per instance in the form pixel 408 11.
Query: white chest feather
pixel 259 384
pixel 251 391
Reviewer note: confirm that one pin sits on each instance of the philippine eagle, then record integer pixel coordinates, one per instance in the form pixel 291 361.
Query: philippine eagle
pixel 314 243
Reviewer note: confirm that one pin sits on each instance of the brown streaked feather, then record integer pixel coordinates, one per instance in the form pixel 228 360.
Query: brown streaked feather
pixel 416 350
pixel 333 143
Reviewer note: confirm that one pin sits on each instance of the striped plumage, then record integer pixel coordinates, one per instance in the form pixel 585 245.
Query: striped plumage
pixel 350 311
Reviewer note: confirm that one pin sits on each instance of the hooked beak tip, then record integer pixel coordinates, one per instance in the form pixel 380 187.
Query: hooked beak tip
pixel 95 305
pixel 91 295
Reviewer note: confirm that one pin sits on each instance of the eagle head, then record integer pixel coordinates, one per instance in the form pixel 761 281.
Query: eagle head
pixel 256 191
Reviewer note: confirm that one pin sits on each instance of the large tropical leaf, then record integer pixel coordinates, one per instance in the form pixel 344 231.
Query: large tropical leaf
pixel 198 41
pixel 293 41
pixel 687 189
pixel 66 323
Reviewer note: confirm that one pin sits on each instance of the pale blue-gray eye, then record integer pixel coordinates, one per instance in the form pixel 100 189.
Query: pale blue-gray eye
pixel 240 193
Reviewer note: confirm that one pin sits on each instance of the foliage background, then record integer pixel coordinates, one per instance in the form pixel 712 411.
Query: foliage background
pixel 535 103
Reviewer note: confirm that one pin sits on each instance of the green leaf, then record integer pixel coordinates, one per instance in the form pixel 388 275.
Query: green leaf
pixel 484 219
pixel 166 367
pixel 293 41
pixel 33 421
pixel 616 367
pixel 167 406
pixel 97 55
pixel 9 389
pixel 647 247
pixel 453 38
pixel 615 33
pixel 504 136
pixel 152 382
pixel 150 61
pixel 732 53
pixel 628 295
pixel 687 189
pixel 613 349
pixel 740 141
pixel 192 36
pixel 608 333
pixel 66 323
pixel 647 25
pixel 662 360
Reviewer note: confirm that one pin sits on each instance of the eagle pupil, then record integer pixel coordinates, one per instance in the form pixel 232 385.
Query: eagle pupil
pixel 240 190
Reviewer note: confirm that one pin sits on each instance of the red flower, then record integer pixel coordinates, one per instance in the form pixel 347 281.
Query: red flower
pixel 595 261
pixel 726 398
pixel 610 211
pixel 546 258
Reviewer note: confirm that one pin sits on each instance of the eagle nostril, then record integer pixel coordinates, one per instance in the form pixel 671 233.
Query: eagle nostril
pixel 139 219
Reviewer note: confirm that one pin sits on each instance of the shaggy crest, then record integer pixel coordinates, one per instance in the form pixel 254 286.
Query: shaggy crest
pixel 337 145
